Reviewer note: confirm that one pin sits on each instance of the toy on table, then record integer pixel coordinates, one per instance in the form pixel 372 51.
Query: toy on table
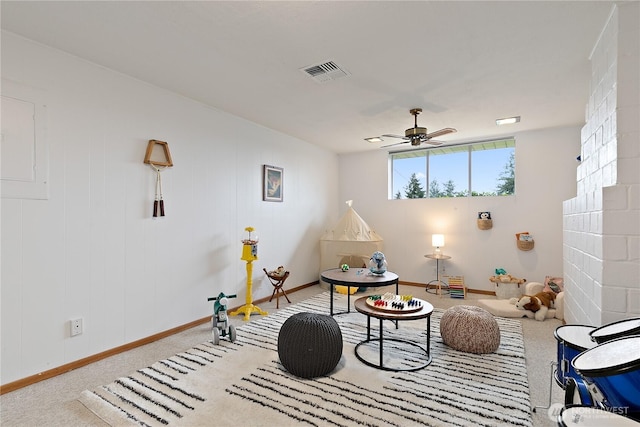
pixel 278 272
pixel 393 303
pixel 506 285
pixel 502 277
pixel 377 264
pixel 220 321
pixel 277 278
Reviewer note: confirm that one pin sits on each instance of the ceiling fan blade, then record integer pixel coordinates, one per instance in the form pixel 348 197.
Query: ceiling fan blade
pixel 418 135
pixel 391 145
pixel 440 132
pixel 432 142
pixel 395 136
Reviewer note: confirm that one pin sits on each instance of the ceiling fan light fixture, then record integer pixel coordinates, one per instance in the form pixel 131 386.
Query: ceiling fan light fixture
pixel 374 139
pixel 415 132
pixel 418 135
pixel 508 120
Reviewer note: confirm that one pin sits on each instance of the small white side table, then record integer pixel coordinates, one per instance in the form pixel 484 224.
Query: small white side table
pixel 441 287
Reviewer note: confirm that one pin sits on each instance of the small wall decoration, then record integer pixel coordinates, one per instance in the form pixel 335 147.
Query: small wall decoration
pixel 272 183
pixel 484 220
pixel 158 154
pixel 524 241
pixel 159 160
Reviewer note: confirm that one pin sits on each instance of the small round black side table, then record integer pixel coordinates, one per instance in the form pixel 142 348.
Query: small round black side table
pixel 356 277
pixel 440 287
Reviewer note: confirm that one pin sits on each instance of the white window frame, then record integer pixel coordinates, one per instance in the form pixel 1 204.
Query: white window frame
pixel 493 144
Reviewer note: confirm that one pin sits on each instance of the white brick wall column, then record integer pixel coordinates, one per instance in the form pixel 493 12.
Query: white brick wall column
pixel 602 223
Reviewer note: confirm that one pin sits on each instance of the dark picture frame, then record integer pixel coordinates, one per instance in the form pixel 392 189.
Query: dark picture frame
pixel 272 183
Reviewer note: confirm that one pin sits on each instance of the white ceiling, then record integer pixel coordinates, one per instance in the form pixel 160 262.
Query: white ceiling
pixel 465 63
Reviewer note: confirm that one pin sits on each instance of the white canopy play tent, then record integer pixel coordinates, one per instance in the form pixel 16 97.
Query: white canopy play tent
pixel 351 241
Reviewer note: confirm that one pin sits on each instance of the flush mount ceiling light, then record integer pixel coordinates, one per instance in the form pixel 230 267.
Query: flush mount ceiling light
pixel 374 139
pixel 508 120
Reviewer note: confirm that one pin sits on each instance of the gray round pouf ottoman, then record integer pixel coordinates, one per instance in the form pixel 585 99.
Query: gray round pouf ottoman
pixel 470 329
pixel 310 344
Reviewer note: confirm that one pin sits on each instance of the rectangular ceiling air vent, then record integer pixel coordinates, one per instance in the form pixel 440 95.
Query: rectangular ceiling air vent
pixel 325 72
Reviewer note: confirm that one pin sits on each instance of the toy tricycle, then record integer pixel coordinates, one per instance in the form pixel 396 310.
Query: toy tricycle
pixel 220 321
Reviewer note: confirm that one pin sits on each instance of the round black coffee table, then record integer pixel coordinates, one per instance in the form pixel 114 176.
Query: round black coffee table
pixel 361 305
pixel 356 278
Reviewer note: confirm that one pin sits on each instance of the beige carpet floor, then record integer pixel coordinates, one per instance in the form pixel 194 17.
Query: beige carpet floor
pixel 54 402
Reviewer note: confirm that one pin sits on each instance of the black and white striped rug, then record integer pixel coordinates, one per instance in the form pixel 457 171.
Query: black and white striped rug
pixel 243 383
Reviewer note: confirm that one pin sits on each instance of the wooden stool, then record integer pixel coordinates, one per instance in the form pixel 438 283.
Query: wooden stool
pixel 277 282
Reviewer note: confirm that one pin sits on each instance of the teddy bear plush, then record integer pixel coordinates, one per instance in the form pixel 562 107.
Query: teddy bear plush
pixel 537 304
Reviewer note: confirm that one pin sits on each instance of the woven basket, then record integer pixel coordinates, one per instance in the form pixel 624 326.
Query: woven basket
pixel 485 224
pixel 524 245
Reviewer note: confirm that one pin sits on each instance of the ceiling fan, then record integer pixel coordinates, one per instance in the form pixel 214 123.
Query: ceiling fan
pixel 417 135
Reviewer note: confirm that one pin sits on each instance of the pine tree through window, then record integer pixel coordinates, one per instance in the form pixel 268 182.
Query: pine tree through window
pixel 477 169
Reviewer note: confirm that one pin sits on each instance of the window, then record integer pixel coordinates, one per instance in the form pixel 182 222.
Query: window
pixel 478 169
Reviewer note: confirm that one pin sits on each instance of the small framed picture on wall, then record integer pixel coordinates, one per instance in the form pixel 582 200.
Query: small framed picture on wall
pixel 272 183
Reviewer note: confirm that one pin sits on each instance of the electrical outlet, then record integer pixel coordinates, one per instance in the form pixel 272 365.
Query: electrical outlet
pixel 76 326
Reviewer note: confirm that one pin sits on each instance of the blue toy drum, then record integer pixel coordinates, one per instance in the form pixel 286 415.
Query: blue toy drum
pixel 572 340
pixel 584 416
pixel 577 393
pixel 622 328
pixel 613 370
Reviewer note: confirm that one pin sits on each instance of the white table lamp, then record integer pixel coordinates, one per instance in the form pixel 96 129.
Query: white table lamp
pixel 437 241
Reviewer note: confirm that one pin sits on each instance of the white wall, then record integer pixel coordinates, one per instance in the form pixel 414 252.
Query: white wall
pixel 545 176
pixel 602 224
pixel 92 250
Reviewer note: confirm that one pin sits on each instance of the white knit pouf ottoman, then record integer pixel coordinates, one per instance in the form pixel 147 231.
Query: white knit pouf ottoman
pixel 470 329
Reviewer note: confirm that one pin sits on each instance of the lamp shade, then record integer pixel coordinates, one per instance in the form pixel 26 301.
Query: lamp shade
pixel 437 240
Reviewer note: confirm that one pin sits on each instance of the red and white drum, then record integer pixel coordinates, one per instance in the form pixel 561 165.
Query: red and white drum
pixel 622 328
pixel 572 340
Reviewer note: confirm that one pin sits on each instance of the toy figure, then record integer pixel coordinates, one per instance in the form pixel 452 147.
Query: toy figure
pixel 220 321
pixel 378 263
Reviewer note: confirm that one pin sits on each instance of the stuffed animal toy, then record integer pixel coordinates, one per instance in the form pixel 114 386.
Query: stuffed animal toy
pixel 538 304
pixel 506 278
pixel 278 272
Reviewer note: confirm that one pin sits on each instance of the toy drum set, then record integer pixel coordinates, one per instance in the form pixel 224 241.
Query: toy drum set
pixel 572 340
pixel 599 369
